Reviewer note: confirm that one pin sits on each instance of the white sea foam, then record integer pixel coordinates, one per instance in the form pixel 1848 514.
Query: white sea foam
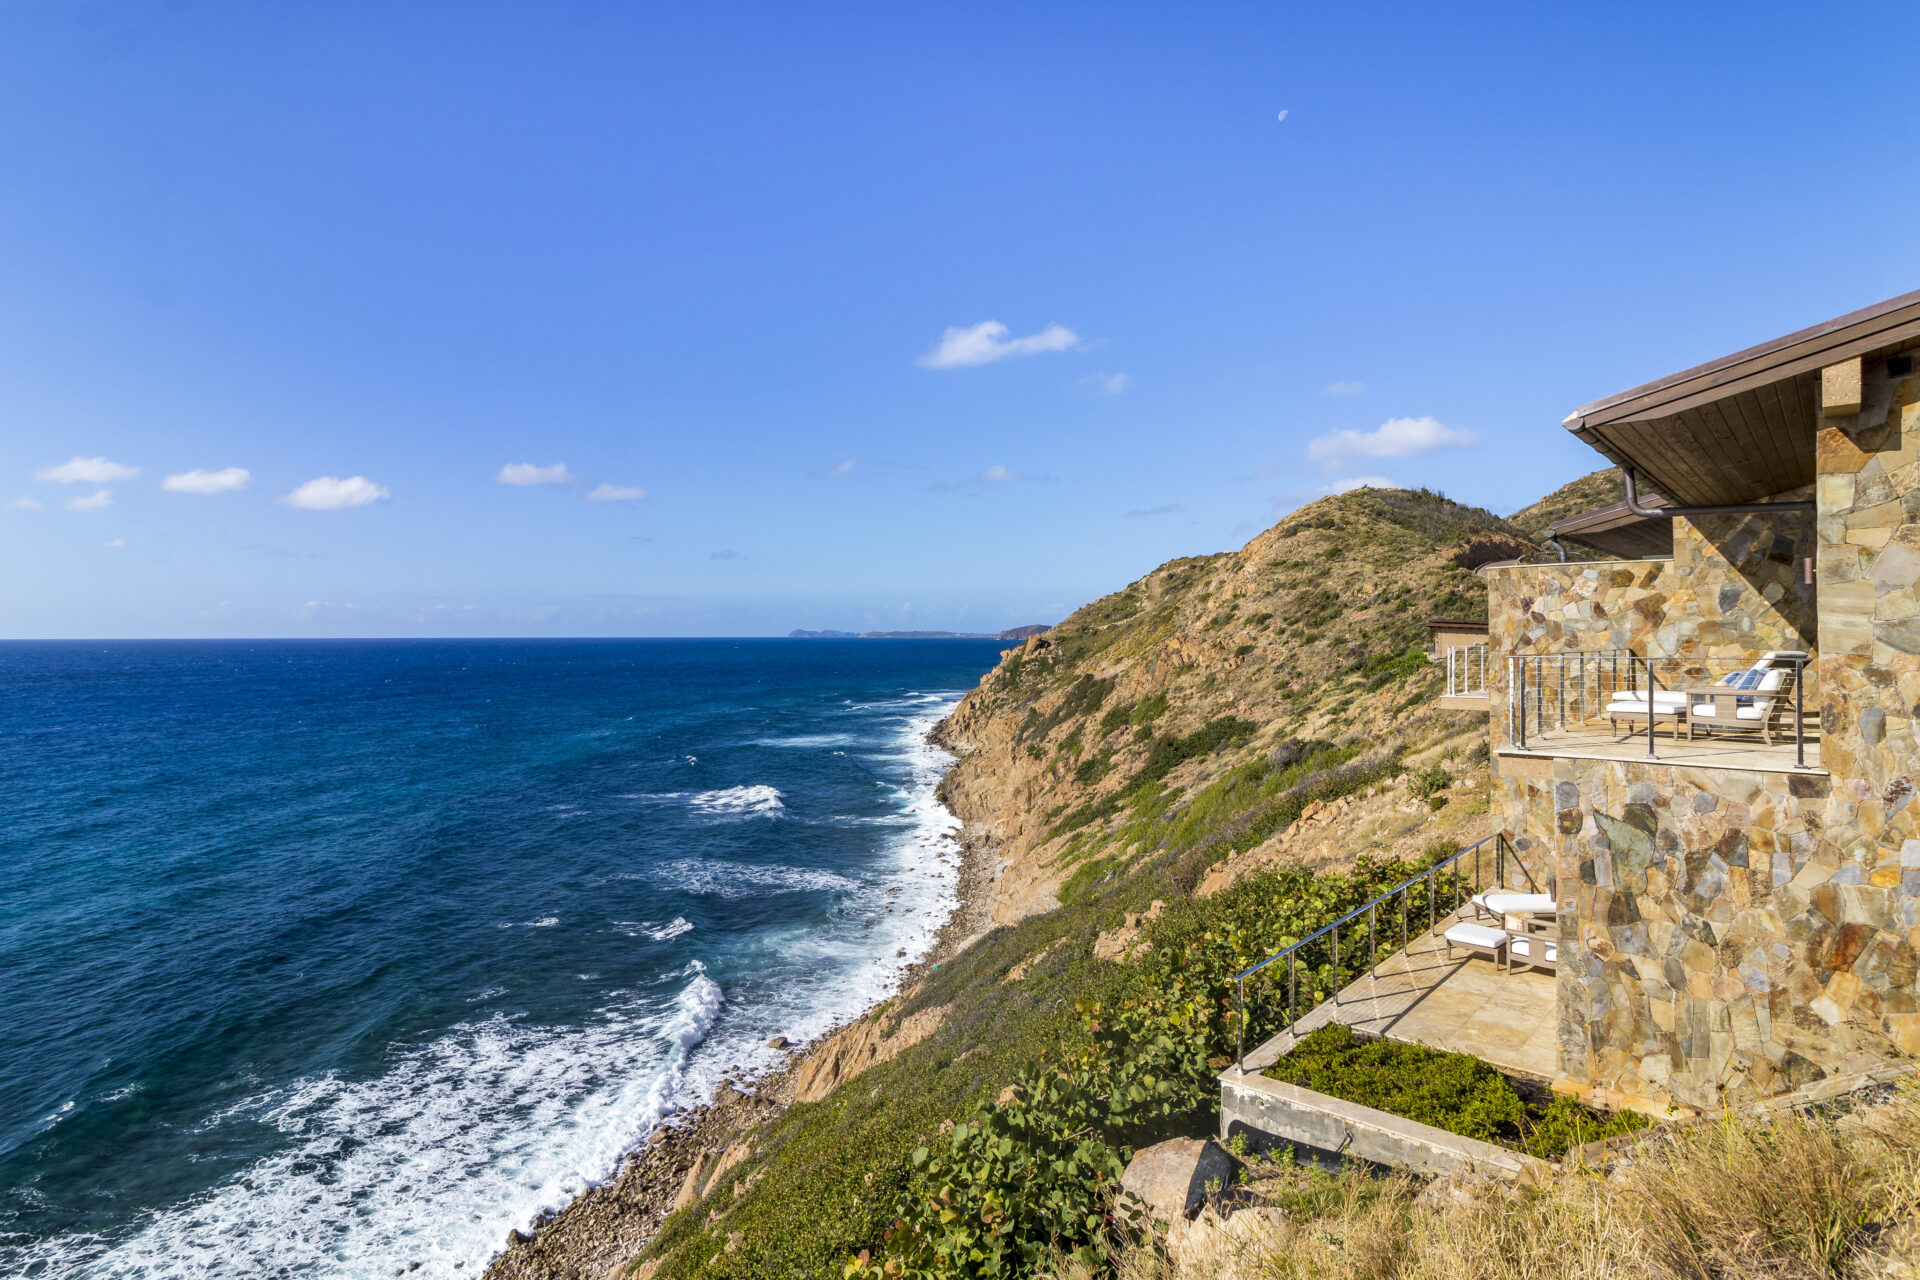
pixel 431 1162
pixel 808 740
pixel 744 879
pixel 736 802
pixel 658 932
pixel 480 1130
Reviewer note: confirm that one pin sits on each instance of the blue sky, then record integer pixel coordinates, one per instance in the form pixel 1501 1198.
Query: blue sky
pixel 900 316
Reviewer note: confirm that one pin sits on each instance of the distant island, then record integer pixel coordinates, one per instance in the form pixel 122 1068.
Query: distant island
pixel 1011 633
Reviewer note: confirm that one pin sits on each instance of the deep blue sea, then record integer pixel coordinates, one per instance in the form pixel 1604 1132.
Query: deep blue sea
pixel 324 959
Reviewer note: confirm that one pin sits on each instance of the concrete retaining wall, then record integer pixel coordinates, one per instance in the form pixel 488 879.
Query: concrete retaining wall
pixel 1313 1120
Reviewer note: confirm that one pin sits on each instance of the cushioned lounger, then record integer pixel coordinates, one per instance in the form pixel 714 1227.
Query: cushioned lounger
pixel 1532 949
pixel 1478 938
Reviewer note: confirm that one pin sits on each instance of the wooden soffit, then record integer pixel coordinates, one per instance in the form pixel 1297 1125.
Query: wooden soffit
pixel 1740 428
pixel 1618 531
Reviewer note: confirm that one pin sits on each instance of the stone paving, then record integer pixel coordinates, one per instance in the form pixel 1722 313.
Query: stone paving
pixel 1466 1004
pixel 1601 742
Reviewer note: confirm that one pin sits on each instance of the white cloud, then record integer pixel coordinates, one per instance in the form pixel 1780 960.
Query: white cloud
pixel 27 504
pixel 114 542
pixel 225 480
pixel 1167 510
pixel 330 493
pixel 998 473
pixel 1359 482
pixel 615 493
pixel 529 473
pixel 1109 384
pixel 92 502
pixel 79 470
pixel 844 467
pixel 1344 389
pixel 1394 438
pixel 987 342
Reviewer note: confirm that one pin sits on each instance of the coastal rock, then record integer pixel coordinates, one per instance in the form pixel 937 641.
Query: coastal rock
pixel 730 1159
pixel 690 1189
pixel 859 1046
pixel 778 1042
pixel 1124 943
pixel 1174 1178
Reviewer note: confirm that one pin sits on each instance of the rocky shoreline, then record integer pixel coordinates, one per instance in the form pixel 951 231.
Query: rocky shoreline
pixel 599 1234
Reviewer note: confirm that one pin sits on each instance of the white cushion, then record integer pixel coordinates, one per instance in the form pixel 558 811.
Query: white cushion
pixel 1514 904
pixel 1705 710
pixel 1524 947
pixel 1476 935
pixel 1638 701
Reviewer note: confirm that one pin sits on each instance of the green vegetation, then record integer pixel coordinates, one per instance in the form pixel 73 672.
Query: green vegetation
pixel 1451 1091
pixel 1161 757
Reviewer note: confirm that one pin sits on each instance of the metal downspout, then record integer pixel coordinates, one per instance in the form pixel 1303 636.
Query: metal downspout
pixel 1731 509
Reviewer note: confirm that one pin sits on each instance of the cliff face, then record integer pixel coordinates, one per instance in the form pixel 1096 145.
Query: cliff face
pixel 1129 729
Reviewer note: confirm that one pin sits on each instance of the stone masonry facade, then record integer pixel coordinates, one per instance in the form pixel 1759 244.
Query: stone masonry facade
pixel 1730 933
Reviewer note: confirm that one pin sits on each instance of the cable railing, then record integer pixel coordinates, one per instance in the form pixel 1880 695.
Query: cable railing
pixel 1319 952
pixel 1467 668
pixel 1732 701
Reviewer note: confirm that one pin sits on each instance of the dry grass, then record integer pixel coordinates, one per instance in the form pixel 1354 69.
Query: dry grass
pixel 1781 1198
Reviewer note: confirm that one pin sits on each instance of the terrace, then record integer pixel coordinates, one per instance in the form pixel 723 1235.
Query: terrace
pixel 1734 713
pixel 1407 983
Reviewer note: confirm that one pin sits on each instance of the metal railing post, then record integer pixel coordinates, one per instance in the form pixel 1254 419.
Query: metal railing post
pixel 1336 962
pixel 1653 688
pixel 1293 989
pixel 1799 715
pixel 1240 1029
pixel 1373 951
pixel 1403 917
pixel 1521 661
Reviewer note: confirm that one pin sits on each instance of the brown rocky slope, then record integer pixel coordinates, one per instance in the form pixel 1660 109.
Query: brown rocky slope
pixel 1223 713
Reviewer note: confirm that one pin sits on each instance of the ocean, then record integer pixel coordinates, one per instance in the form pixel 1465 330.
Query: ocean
pixel 328 958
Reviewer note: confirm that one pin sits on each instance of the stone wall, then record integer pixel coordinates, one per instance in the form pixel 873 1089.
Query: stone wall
pixel 1715 944
pixel 1869 668
pixel 1734 588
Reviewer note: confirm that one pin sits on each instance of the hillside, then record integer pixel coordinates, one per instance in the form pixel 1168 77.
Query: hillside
pixel 1590 492
pixel 1156 721
pixel 1248 739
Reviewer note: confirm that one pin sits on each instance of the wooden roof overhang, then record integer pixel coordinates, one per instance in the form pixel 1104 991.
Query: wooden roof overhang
pixel 1618 531
pixel 1740 428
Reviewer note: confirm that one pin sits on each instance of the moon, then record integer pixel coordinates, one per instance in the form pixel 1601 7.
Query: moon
pixel 1283 115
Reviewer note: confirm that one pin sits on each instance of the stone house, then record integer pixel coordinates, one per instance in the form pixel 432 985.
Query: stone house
pixel 1738 874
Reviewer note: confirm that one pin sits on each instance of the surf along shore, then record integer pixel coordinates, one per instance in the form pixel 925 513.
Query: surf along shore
pixel 697 1149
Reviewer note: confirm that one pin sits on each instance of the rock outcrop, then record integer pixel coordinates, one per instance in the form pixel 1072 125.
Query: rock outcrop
pixel 854 1048
pixel 1175 1178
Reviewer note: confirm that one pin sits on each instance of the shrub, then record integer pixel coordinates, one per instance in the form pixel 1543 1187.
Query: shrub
pixel 1451 1091
pixel 1429 782
pixel 1093 768
pixel 1150 709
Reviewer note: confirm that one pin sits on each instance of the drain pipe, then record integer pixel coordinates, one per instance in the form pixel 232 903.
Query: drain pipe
pixel 1731 509
pixel 1553 540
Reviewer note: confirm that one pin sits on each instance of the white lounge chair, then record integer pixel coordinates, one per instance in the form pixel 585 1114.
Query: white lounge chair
pixel 1534 950
pixel 1502 905
pixel 1632 707
pixel 1747 699
pixel 1477 938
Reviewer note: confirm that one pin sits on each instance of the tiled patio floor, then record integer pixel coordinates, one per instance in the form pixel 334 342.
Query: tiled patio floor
pixel 1600 741
pixel 1466 1004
